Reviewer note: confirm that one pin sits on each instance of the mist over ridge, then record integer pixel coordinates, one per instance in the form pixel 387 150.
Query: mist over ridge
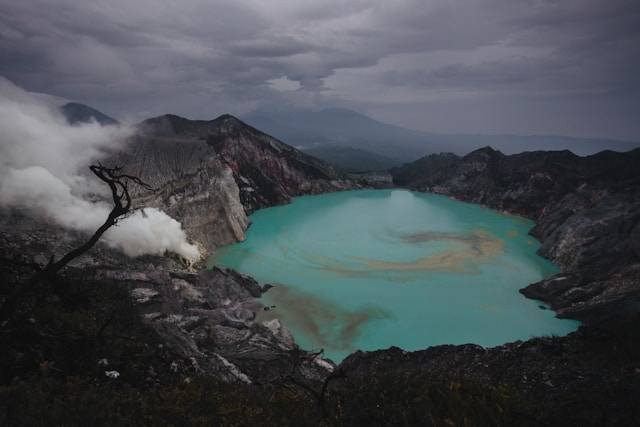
pixel 322 129
pixel 44 169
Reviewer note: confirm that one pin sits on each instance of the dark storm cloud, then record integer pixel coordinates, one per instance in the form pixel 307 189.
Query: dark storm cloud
pixel 201 58
pixel 285 46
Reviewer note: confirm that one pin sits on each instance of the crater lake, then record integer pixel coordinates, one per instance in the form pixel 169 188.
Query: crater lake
pixel 370 269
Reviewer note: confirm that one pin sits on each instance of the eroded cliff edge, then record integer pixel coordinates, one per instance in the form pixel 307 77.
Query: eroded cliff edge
pixel 586 209
pixel 210 175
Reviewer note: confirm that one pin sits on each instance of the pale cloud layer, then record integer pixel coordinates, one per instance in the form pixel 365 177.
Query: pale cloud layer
pixel 526 66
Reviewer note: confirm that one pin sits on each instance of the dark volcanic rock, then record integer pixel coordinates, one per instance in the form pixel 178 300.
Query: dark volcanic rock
pixel 590 377
pixel 587 211
pixel 208 318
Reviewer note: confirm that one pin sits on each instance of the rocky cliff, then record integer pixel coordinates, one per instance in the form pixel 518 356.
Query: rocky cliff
pixel 210 175
pixel 587 213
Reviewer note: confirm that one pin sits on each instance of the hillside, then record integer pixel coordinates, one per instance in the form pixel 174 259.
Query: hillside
pixel 75 112
pixel 210 175
pixel 313 129
pixel 587 213
pixel 352 159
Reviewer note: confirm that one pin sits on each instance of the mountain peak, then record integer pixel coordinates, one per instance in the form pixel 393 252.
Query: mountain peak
pixel 171 124
pixel 225 116
pixel 485 151
pixel 227 119
pixel 74 113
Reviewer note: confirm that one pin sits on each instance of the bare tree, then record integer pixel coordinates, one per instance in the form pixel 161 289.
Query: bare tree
pixel 118 183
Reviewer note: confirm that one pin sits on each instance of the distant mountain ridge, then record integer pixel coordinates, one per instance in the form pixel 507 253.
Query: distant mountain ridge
pixel 308 130
pixel 312 129
pixel 352 141
pixel 351 159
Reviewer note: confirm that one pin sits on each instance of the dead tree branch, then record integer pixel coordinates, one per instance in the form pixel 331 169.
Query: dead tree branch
pixel 118 184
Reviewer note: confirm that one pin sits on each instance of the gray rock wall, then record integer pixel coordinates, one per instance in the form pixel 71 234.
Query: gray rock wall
pixel 587 211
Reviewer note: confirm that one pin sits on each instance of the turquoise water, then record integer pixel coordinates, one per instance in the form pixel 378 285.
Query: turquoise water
pixel 374 268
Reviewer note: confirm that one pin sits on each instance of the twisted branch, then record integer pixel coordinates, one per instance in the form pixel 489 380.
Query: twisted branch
pixel 118 184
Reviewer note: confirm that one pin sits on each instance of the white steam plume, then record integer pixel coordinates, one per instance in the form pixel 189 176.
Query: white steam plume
pixel 41 157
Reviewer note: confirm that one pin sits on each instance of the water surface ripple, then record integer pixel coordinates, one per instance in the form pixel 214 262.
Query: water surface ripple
pixel 369 269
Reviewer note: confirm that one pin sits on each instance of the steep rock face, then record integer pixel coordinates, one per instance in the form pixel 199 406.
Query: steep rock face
pixel 587 211
pixel 211 174
pixel 208 320
pixel 522 183
pixel 192 185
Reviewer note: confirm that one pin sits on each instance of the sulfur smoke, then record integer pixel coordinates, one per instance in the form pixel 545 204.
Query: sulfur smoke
pixel 42 158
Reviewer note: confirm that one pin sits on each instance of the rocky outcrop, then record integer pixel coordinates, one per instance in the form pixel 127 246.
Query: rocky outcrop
pixel 208 319
pixel 587 210
pixel 210 175
pixel 204 322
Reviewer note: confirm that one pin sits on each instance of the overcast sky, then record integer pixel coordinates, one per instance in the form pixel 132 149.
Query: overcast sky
pixel 489 66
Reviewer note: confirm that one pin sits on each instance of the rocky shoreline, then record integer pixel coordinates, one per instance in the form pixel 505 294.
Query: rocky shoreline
pixel 164 328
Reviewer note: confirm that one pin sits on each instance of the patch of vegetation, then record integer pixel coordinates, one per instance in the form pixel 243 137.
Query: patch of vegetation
pixel 420 400
pixel 206 401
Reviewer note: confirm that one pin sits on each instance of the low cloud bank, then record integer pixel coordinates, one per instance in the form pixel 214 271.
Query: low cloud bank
pixel 41 159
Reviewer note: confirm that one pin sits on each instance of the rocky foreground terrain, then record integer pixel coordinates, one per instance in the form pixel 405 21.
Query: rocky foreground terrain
pixel 151 341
